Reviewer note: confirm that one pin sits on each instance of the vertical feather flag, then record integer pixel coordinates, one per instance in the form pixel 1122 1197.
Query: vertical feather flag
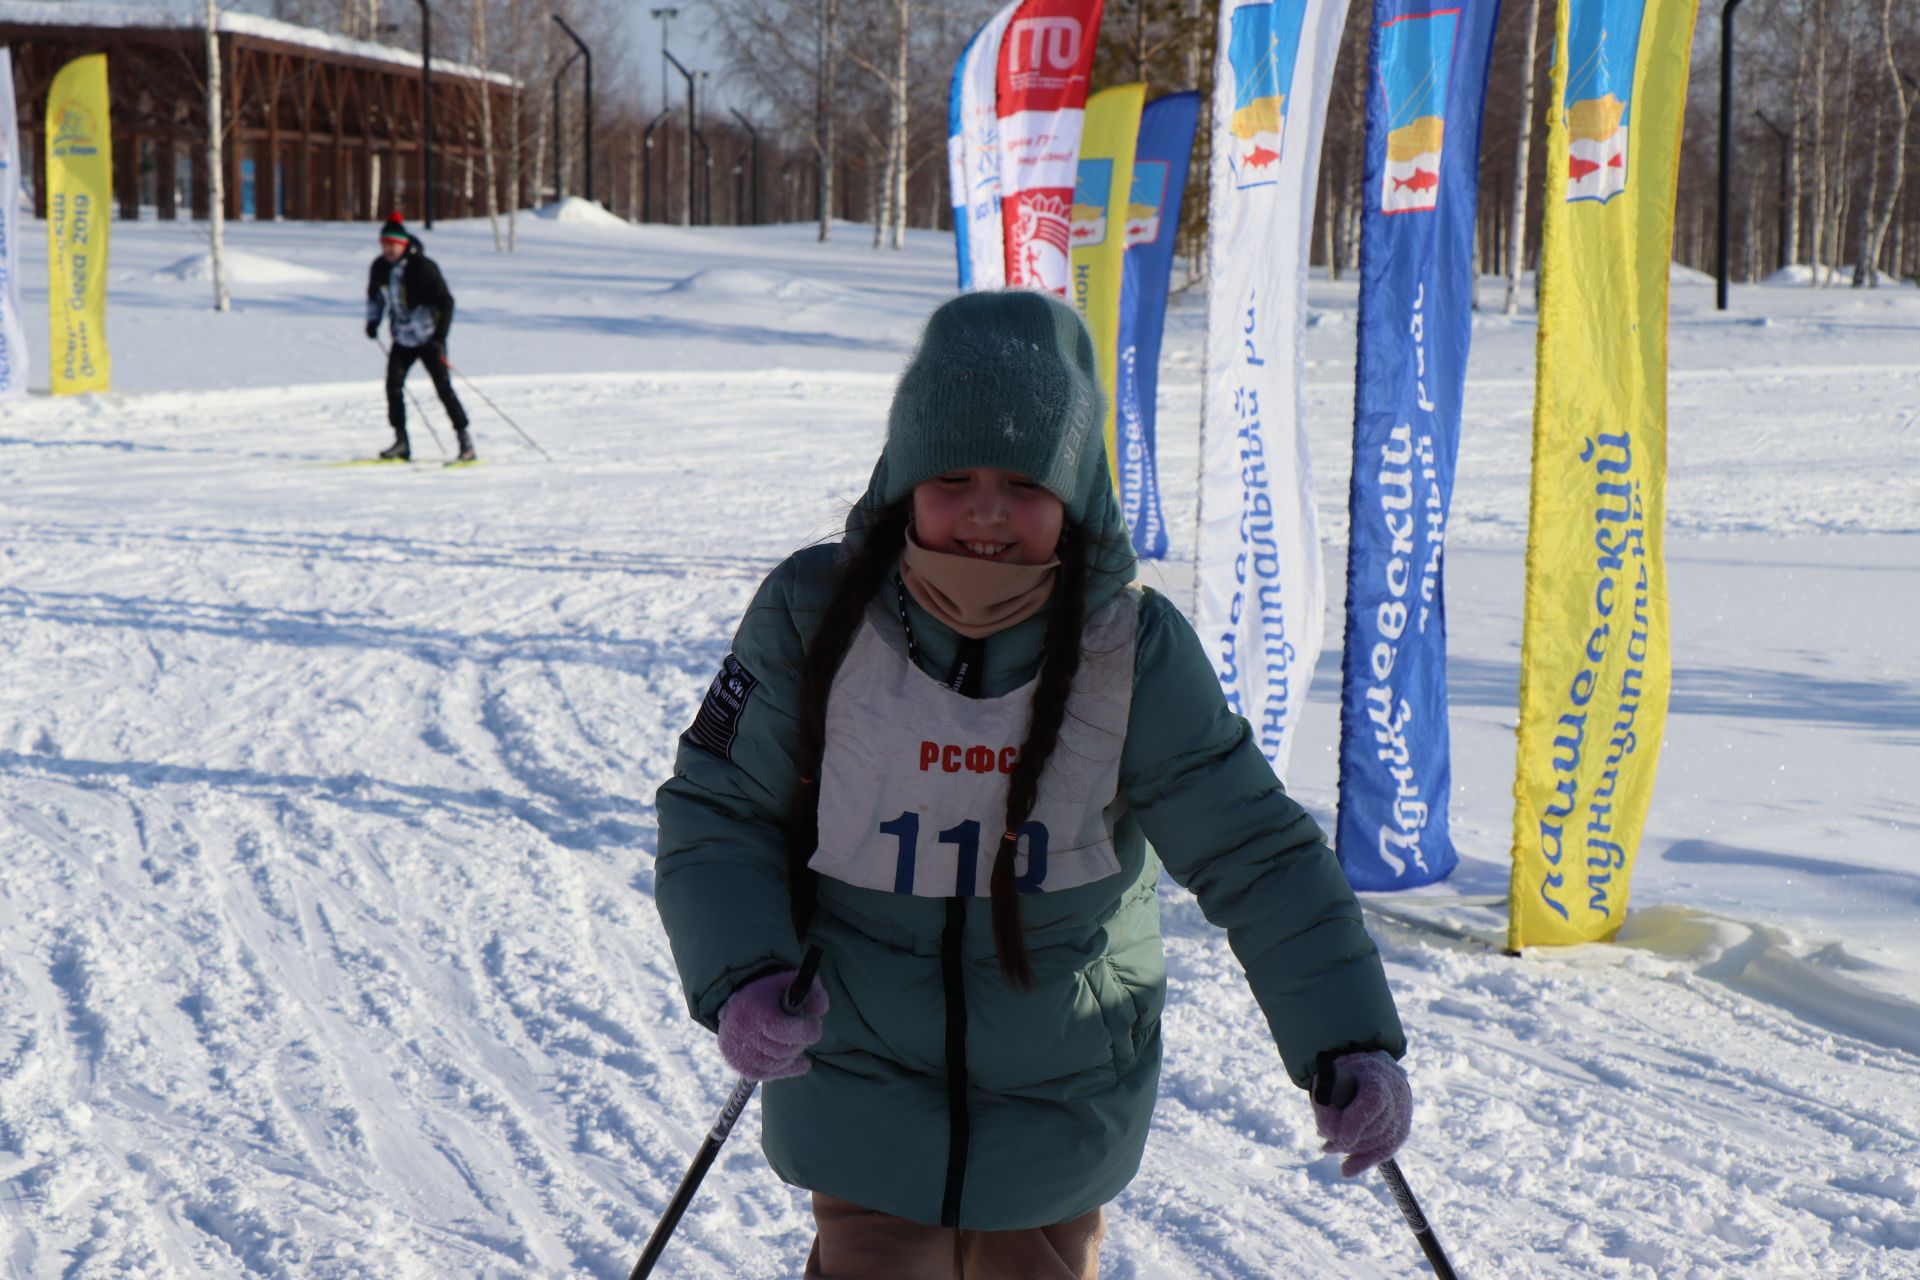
pixel 1594 658
pixel 1427 86
pixel 1261 585
pixel 79 211
pixel 1103 181
pixel 13 335
pixel 973 156
pixel 1041 95
pixel 1153 218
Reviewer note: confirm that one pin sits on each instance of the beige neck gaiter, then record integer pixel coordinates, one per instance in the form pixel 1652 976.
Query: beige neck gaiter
pixel 972 596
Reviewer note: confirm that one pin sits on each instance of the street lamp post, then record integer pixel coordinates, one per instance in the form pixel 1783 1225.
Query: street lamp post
pixel 1726 140
pixel 559 169
pixel 665 16
pixel 706 155
pixel 426 112
pixel 693 132
pixel 646 171
pixel 588 110
pixel 753 159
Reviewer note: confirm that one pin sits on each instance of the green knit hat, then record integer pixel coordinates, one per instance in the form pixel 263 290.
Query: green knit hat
pixel 1001 379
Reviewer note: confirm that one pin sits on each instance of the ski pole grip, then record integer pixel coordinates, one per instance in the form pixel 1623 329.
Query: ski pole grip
pixel 1333 1086
pixel 795 997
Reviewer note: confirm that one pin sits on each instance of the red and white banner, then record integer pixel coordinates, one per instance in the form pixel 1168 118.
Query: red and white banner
pixel 1041 93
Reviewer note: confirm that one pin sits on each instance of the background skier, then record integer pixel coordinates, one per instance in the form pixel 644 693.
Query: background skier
pixel 407 285
pixel 973 1077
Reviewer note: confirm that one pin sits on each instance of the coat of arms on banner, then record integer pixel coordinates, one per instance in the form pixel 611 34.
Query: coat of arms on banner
pixel 1603 44
pixel 1263 43
pixel 1416 58
pixel 77 134
pixel 1145 201
pixel 1092 185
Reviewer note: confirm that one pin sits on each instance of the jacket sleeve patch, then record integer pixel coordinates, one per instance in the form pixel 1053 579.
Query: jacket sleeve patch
pixel 719 718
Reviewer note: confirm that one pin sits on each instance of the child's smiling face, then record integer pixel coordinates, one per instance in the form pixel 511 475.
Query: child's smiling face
pixel 988 514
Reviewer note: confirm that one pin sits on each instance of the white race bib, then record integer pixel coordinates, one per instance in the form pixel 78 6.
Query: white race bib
pixel 913 781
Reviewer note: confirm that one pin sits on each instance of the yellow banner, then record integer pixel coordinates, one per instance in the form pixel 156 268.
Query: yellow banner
pixel 79 211
pixel 1098 245
pixel 1594 662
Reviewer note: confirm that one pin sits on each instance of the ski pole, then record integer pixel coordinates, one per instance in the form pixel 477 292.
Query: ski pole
pixel 496 408
pixel 1334 1087
pixel 419 409
pixel 791 1002
pixel 1416 1221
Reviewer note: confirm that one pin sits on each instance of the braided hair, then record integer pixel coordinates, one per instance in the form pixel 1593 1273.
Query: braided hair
pixel 862 574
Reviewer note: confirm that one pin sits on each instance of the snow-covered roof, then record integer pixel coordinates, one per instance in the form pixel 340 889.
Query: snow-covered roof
pixel 75 13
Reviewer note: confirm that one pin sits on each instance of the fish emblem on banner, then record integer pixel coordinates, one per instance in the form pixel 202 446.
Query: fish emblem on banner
pixel 1416 58
pixel 1262 47
pixel 1144 203
pixel 1603 45
pixel 1092 180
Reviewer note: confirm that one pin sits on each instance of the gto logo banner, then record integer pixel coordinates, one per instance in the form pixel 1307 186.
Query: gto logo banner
pixel 1050 43
pixel 1041 96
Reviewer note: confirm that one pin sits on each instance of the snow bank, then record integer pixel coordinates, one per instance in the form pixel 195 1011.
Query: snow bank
pixel 1827 986
pixel 574 209
pixel 1679 273
pixel 1801 274
pixel 735 283
pixel 242 268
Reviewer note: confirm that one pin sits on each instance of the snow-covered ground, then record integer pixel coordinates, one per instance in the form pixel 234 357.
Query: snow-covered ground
pixel 327 946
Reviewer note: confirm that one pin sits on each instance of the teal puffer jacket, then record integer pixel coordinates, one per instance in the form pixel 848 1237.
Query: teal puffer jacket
pixel 940 1093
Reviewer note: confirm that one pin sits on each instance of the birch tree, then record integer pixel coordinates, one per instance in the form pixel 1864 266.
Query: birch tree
pixel 1902 109
pixel 891 208
pixel 477 55
pixel 1522 160
pixel 216 171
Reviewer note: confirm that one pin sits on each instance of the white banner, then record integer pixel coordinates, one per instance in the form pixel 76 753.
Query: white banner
pixel 13 335
pixel 973 157
pixel 1261 587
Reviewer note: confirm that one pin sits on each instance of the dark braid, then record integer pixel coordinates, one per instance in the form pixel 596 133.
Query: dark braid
pixel 861 578
pixel 1058 665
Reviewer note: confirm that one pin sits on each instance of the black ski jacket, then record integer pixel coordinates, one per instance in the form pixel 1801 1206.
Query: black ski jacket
pixel 421 306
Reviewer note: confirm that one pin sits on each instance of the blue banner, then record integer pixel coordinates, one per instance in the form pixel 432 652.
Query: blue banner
pixel 1428 84
pixel 1153 217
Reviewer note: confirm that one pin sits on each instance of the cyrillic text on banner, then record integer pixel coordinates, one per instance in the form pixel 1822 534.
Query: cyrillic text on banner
pixel 1103 181
pixel 1426 88
pixel 973 157
pixel 1160 162
pixel 1261 584
pixel 1041 96
pixel 1594 657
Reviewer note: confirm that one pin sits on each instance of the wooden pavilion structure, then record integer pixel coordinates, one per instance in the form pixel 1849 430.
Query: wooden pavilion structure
pixel 317 126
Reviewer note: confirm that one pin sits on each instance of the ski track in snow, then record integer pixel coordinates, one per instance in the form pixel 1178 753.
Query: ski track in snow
pixel 329 948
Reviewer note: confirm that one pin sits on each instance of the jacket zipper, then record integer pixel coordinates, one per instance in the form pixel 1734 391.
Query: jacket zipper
pixel 959 1124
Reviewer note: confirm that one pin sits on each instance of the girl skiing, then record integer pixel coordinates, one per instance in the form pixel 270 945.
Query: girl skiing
pixel 939 751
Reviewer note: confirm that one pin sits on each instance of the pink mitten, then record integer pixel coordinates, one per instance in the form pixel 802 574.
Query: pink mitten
pixel 761 1040
pixel 1373 1124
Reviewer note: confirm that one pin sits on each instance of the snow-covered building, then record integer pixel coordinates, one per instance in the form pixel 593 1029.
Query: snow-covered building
pixel 316 125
